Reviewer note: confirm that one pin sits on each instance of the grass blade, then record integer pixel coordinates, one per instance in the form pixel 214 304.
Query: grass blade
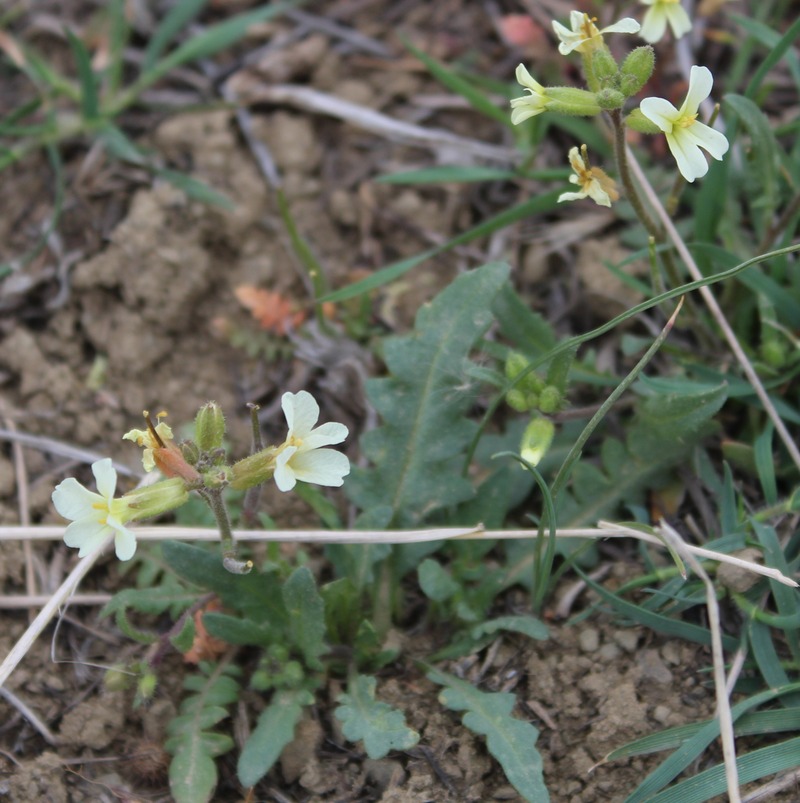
pixel 461 86
pixel 179 17
pixel 87 80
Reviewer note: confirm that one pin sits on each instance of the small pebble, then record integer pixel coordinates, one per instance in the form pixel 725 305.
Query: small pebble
pixel 589 640
pixel 627 639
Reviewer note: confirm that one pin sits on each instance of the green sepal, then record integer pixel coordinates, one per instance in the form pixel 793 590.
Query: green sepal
pixel 638 122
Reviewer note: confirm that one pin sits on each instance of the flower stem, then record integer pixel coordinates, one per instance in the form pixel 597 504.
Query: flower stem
pixel 230 559
pixel 627 180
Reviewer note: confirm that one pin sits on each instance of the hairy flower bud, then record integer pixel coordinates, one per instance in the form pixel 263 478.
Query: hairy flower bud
pixel 209 427
pixel 569 100
pixel 536 440
pixel 603 66
pixel 609 99
pixel 517 400
pixel 550 399
pixel 636 70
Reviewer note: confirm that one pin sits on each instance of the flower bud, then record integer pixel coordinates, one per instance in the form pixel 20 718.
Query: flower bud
pixel 550 399
pixel 774 353
pixel 155 499
pixel 569 100
pixel 516 363
pixel 218 477
pixel 609 99
pixel 637 69
pixel 190 452
pixel 604 67
pixel 517 400
pixel 253 470
pixel 536 440
pixel 209 427
pixel 117 678
pixel 146 687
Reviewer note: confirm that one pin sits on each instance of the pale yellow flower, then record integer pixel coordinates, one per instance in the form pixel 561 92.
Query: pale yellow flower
pixel 585 36
pixel 96 516
pixel 685 135
pixel 535 102
pixel 145 438
pixel 593 182
pixel 661 13
pixel 300 456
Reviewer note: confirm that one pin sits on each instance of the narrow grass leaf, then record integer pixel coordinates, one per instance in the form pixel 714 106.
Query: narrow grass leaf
pixel 211 41
pixel 526 625
pixel 87 80
pixel 753 723
pixel 195 189
pixel 770 39
pixel 534 206
pixel 179 16
pixel 765 464
pixel 691 749
pixel 464 87
pixel 765 655
pixel 655 621
pixel 765 151
pixel 773 57
pixel 729 508
pixel 750 767
pixel 364 718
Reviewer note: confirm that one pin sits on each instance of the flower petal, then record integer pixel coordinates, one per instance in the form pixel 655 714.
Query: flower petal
pixel 654 24
pixel 522 109
pixel 321 467
pixel 691 162
pixel 625 25
pixel 106 477
pixel 324 435
pixel 576 161
pixel 660 112
pixel 571 196
pixel 284 475
pixel 73 501
pixel 124 543
pixel 706 137
pixel 527 80
pixel 301 411
pixel 700 82
pixel 596 192
pixel 679 20
pixel 87 535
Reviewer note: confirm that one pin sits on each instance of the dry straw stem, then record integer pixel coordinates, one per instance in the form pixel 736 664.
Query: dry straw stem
pixel 718 656
pixel 62 594
pixel 20 649
pixel 715 309
pixel 604 529
pixel 308 99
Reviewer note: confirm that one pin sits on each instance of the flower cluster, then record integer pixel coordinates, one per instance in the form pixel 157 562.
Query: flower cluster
pixel 612 86
pixel 198 465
